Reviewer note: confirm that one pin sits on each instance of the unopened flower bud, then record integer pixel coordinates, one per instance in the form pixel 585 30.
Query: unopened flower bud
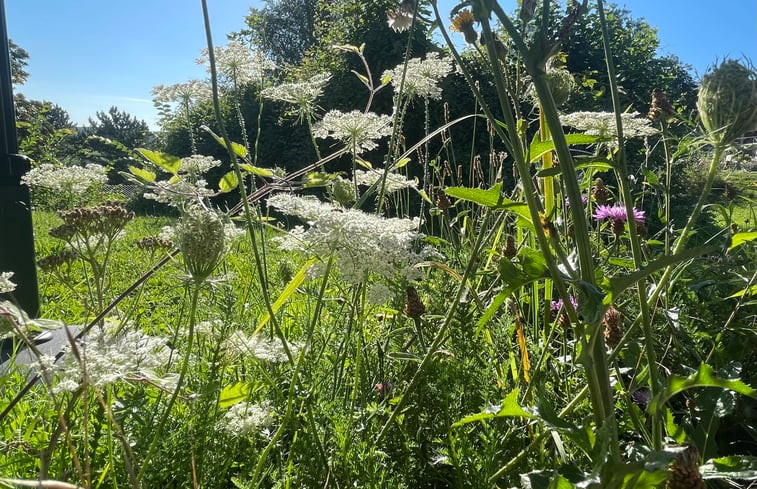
pixel 727 101
pixel 201 239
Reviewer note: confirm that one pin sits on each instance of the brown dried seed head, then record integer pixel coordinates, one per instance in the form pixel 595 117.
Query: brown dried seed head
pixel 684 471
pixel 414 307
pixel 613 328
pixel 510 250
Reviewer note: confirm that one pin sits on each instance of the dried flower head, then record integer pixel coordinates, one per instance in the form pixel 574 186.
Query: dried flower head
pixel 660 109
pixel 600 192
pixel 65 256
pixel 463 23
pixel 422 76
pixel 414 307
pixel 727 101
pixel 684 471
pixel 613 331
pixel 358 130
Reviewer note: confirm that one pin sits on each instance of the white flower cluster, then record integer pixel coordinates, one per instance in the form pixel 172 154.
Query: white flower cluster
pixel 422 76
pixel 238 64
pixel 198 164
pixel 602 124
pixel 265 349
pixel 76 180
pixel 245 419
pixel 361 243
pixel 178 193
pixel 110 357
pixel 300 94
pixel 188 92
pixel 379 294
pixel 356 129
pixel 6 285
pixel 393 183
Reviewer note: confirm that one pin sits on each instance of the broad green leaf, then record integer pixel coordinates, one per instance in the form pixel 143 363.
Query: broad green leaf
pixel 290 289
pixel 704 377
pixel 142 173
pixel 538 148
pixel 652 178
pixel 233 393
pixel 533 262
pixel 544 479
pixel 167 162
pixel 486 198
pixel 228 182
pixel 740 238
pixel 493 308
pixel 256 170
pixel 751 290
pixel 741 467
pixel 238 149
pixel 508 409
pixel 318 179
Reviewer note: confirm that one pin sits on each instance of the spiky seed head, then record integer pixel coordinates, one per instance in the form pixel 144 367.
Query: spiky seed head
pixel 727 101
pixel 510 250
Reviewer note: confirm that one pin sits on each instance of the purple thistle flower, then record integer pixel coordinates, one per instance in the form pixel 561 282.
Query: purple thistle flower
pixel 616 212
pixel 559 303
pixel 584 200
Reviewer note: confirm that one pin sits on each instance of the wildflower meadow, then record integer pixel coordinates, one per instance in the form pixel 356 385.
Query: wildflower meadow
pixel 430 249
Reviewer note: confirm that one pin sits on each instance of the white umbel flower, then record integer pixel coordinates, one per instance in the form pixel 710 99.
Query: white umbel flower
pixel 6 285
pixel 361 243
pixel 300 94
pixel 245 419
pixel 238 64
pixel 357 130
pixel 393 183
pixel 76 180
pixel 422 77
pixel 602 124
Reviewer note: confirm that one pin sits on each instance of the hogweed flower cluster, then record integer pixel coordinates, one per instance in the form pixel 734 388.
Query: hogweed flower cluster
pixel 239 344
pixel 197 165
pixel 422 76
pixel 602 124
pixel 238 63
pixel 56 260
pixel 300 94
pixel 179 193
pixel 358 130
pixel 361 243
pixel 393 183
pixel 245 419
pixel 74 180
pixel 186 93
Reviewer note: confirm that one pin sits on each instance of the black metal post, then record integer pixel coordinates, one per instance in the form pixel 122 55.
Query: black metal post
pixel 16 232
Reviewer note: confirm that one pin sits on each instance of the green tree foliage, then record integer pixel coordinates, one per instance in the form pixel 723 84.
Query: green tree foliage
pixel 19 61
pixel 44 130
pixel 110 139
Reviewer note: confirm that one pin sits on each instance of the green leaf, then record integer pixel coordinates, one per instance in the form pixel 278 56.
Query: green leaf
pixel 256 170
pixel 228 182
pixel 704 377
pixel 290 289
pixel 167 162
pixel 362 78
pixel 533 262
pixel 425 196
pixel 402 162
pixel 491 198
pixel 238 149
pixel 741 467
pixel 544 479
pixel 652 178
pixel 142 173
pixel 233 394
pixel 365 164
pixel 751 290
pixel 492 308
pixel 740 238
pixel 538 148
pixel 508 409
pixel 318 179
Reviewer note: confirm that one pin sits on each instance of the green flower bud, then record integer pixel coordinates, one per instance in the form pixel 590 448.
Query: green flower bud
pixel 200 237
pixel 342 192
pixel 727 101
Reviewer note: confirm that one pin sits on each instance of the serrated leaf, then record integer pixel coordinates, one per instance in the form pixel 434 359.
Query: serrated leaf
pixel 256 170
pixel 228 182
pixel 167 162
pixel 741 467
pixel 508 409
pixel 703 377
pixel 142 173
pixel 233 394
pixel 740 238
pixel 538 148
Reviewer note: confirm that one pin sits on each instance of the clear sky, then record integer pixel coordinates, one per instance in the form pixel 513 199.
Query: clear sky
pixel 86 55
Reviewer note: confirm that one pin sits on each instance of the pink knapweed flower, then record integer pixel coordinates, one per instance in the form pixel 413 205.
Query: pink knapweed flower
pixel 617 212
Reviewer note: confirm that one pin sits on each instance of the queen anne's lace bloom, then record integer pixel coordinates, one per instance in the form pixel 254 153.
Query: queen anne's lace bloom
pixel 268 350
pixel 393 183
pixel 187 93
pixel 6 285
pixel 300 94
pixel 198 164
pixel 356 129
pixel 361 243
pixel 602 124
pixel 422 77
pixel 238 64
pixel 246 419
pixel 75 180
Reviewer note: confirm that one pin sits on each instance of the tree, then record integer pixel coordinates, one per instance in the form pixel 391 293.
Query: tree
pixel 19 61
pixel 119 126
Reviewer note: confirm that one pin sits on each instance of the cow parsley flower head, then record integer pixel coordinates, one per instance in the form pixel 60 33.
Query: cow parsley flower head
pixel 268 350
pixel 356 129
pixel 602 124
pixel 187 93
pixel 238 64
pixel 422 76
pixel 361 243
pixel 245 419
pixel 300 94
pixel 72 180
pixel 198 164
pixel 6 285
pixel 394 181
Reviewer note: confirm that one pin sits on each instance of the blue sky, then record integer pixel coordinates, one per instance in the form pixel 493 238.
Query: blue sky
pixel 86 55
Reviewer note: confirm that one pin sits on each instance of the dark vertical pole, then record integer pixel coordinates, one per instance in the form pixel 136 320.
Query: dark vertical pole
pixel 16 232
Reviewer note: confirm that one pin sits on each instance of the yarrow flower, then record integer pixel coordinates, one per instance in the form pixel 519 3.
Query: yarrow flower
pixel 238 63
pixel 602 124
pixel 393 183
pixel 6 285
pixel 300 94
pixel 245 419
pixel 422 76
pixel 361 243
pixel 75 180
pixel 356 129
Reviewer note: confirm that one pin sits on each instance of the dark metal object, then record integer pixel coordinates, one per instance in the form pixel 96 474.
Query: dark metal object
pixel 16 232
